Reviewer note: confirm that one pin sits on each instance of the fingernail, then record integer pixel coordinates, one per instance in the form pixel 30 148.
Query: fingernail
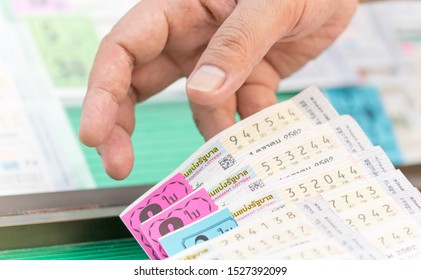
pixel 207 78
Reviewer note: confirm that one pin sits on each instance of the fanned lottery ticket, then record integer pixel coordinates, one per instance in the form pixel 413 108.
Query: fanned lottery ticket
pixel 308 108
pixel 294 181
pixel 353 194
pixel 273 198
pixel 289 218
pixel 283 230
pixel 298 188
pixel 329 144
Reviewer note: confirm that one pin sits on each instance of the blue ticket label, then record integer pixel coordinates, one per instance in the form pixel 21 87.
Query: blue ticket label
pixel 201 231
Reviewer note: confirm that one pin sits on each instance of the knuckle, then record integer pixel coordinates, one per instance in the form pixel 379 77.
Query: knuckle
pixel 220 10
pixel 233 41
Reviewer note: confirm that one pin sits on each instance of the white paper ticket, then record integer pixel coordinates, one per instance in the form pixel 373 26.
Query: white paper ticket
pixel 352 242
pixel 256 205
pixel 391 188
pixel 279 231
pixel 381 213
pixel 322 144
pixel 258 234
pixel 325 249
pixel 399 239
pixel 294 181
pixel 334 227
pixel 307 185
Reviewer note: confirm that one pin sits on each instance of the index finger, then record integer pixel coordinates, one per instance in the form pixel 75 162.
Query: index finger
pixel 136 39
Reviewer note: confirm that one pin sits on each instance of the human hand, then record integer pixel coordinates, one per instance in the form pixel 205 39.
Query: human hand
pixel 234 55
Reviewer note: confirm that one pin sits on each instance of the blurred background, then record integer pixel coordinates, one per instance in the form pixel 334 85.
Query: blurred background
pixel 47 47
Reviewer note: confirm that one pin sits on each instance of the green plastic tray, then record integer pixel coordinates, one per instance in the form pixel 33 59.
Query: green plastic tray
pixel 120 249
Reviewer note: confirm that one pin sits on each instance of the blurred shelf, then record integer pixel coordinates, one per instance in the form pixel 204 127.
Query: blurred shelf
pixel 413 173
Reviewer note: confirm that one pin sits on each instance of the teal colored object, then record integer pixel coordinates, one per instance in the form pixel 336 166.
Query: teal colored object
pixel 164 137
pixel 365 105
pixel 121 249
pixel 205 229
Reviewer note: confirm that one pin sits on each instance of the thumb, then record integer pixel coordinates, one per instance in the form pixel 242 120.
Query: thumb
pixel 239 44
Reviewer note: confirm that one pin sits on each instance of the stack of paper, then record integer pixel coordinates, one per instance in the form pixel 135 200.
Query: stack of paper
pixel 295 181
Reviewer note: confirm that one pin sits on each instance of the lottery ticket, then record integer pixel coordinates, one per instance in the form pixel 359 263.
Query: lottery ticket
pixel 258 173
pixel 153 203
pixel 323 144
pixel 281 231
pixel 193 207
pixel 399 239
pixel 309 107
pixel 404 193
pixel 294 181
pixel 285 219
pixel 254 206
pixel 395 194
pixel 335 173
pixel 359 245
pixel 203 230
pixel 333 226
pixel 325 249
pixel 381 213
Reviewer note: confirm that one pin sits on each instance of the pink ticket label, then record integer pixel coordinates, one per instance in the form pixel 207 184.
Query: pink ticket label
pixel 40 6
pixel 160 199
pixel 193 207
